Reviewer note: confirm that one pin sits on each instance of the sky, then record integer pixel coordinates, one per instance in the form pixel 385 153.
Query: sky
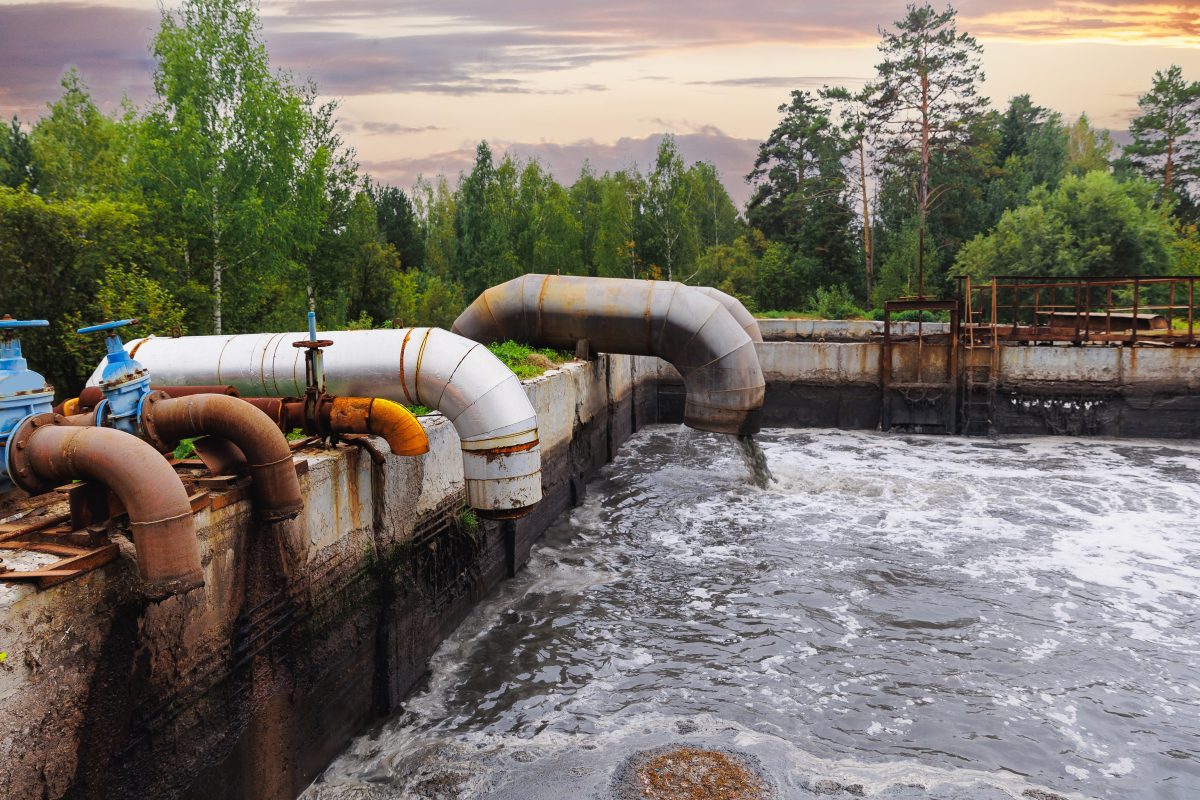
pixel 420 82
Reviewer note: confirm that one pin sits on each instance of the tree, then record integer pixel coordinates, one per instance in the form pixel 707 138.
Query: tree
pixel 1032 148
pixel 1089 225
pixel 123 293
pixel 1165 146
pixel 482 237
pixel 17 165
pixel 713 215
pixel 616 251
pixel 925 102
pixel 854 108
pixel 800 195
pixel 398 224
pixel 586 200
pixel 79 150
pixel 668 241
pixel 1088 149
pixel 224 151
pixel 54 255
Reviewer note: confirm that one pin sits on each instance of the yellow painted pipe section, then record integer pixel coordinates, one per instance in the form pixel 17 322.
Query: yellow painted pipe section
pixel 404 433
pixel 70 407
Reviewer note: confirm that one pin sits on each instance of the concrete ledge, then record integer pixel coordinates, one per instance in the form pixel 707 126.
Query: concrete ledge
pixel 303 634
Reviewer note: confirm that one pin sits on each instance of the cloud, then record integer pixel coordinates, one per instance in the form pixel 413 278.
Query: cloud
pixel 732 156
pixel 109 45
pixel 471 47
pixel 784 82
pixel 394 128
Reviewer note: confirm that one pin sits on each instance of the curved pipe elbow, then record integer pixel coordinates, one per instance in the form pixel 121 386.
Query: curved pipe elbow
pixel 160 516
pixel 741 315
pixel 692 331
pixel 276 488
pixel 396 424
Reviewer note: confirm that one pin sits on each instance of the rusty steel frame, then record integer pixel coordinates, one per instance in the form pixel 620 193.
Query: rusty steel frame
pixel 948 386
pixel 1028 300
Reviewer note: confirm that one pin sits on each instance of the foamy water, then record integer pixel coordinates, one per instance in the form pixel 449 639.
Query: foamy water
pixel 916 616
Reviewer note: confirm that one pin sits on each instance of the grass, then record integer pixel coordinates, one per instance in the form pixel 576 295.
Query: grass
pixel 787 315
pixel 185 449
pixel 528 362
pixel 419 410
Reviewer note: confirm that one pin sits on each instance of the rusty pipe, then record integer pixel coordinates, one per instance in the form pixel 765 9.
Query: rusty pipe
pixel 693 332
pixel 374 415
pixel 166 420
pixel 396 424
pixel 483 399
pixel 51 452
pixel 91 396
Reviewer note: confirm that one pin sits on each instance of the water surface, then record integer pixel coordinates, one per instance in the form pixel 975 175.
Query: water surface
pixel 912 617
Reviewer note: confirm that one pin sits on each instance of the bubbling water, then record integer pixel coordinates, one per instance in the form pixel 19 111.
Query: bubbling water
pixel 896 617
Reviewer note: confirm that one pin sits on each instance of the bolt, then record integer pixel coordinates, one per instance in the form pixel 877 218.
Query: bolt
pixel 22 445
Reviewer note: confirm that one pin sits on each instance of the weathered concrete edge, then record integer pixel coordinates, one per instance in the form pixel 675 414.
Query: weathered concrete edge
pixel 299 639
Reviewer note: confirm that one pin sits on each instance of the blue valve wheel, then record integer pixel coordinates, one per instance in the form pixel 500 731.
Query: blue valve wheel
pixel 107 326
pixel 8 324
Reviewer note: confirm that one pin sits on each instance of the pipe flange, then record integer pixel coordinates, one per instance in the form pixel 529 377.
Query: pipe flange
pixel 20 466
pixel 146 410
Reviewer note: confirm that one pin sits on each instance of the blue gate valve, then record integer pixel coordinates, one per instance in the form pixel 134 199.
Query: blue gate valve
pixel 124 382
pixel 23 392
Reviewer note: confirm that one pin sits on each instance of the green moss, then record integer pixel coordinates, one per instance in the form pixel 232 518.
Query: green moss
pixel 185 449
pixel 419 410
pixel 528 362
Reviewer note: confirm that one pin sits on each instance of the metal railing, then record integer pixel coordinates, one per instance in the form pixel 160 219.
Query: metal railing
pixel 1088 309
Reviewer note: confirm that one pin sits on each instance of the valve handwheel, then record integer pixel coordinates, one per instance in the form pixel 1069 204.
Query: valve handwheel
pixel 8 323
pixel 108 326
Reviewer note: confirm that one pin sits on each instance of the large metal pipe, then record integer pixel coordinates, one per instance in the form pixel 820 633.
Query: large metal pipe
pixel 167 420
pixel 693 332
pixel 416 366
pixel 741 315
pixel 50 453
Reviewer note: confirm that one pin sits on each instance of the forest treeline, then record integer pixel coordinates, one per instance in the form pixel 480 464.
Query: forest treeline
pixel 230 202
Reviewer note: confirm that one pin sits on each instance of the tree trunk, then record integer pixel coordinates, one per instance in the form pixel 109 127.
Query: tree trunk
pixel 923 182
pixel 866 207
pixel 216 289
pixel 1168 168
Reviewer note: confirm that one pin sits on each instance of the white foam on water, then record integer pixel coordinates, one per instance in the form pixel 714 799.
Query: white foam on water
pixel 941 611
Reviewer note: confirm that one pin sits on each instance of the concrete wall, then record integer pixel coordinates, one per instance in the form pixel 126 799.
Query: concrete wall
pixel 839 330
pixel 303 634
pixel 1110 391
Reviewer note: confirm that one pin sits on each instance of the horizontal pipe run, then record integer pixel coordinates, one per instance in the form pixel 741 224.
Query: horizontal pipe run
pixel 160 516
pixel 393 422
pixel 694 332
pixel 480 396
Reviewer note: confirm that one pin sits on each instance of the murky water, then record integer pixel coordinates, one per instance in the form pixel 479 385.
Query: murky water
pixel 899 617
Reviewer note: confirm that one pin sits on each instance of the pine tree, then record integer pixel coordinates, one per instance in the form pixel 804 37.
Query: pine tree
pixel 1166 135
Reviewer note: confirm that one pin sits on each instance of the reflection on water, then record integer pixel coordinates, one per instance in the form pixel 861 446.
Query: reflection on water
pixel 916 617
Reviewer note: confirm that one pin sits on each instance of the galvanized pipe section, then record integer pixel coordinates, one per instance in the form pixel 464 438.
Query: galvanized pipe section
pixel 693 332
pixel 160 516
pixel 427 366
pixel 166 420
pixel 739 312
